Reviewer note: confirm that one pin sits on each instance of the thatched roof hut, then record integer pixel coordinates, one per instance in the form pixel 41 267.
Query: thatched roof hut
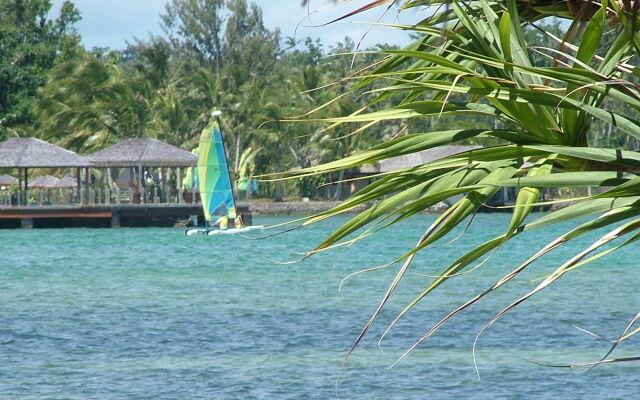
pixel 143 152
pixel 36 153
pixel 7 180
pixel 414 159
pixel 25 153
pixel 44 182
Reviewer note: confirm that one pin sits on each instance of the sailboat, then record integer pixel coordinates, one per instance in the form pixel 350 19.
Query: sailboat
pixel 214 184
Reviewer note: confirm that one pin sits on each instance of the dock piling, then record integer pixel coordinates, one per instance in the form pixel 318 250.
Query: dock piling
pixel 115 219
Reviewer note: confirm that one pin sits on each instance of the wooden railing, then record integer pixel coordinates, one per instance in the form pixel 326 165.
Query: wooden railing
pixel 96 196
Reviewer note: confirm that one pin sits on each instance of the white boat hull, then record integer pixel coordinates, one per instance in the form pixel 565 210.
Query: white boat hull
pixel 217 231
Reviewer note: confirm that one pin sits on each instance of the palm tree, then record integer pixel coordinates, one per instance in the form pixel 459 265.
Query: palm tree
pixel 88 104
pixel 472 58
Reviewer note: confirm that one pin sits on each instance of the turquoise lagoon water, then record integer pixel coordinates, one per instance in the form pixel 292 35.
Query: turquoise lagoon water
pixel 153 314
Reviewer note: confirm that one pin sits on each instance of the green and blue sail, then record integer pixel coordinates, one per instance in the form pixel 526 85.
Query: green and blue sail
pixel 214 182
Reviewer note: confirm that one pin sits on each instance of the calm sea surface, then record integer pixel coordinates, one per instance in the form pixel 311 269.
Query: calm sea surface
pixel 153 314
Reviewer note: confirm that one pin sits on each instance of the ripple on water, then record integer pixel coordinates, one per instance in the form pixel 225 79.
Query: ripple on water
pixel 152 314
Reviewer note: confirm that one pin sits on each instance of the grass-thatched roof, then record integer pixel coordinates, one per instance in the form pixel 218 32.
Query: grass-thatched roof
pixel 144 152
pixel 414 159
pixel 35 153
pixel 44 181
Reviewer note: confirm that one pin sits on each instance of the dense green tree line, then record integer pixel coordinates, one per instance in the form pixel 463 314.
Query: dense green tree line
pixel 214 54
pixel 30 45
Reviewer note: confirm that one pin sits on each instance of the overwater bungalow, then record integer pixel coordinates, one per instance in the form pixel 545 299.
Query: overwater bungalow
pixel 505 197
pixel 135 182
pixel 23 154
pixel 415 159
pixel 151 169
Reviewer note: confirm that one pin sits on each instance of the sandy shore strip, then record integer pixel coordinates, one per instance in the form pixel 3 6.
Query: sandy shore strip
pixel 312 207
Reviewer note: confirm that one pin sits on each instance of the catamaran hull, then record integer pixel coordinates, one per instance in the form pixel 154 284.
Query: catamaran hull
pixel 216 231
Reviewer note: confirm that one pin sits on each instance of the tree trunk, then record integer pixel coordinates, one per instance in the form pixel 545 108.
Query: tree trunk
pixel 279 191
pixel 338 192
pixel 237 160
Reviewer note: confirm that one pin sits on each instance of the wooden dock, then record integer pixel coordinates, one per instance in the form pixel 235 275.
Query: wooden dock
pixel 113 215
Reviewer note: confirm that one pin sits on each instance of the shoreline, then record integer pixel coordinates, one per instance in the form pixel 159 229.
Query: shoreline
pixel 314 207
pixel 284 208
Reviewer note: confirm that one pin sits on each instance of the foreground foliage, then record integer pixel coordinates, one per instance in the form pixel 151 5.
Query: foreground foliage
pixel 548 102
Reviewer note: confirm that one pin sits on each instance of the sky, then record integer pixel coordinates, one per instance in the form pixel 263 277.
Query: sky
pixel 112 23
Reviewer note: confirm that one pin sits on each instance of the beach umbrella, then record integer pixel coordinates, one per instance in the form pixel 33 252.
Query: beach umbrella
pixel 7 180
pixel 68 182
pixel 44 182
